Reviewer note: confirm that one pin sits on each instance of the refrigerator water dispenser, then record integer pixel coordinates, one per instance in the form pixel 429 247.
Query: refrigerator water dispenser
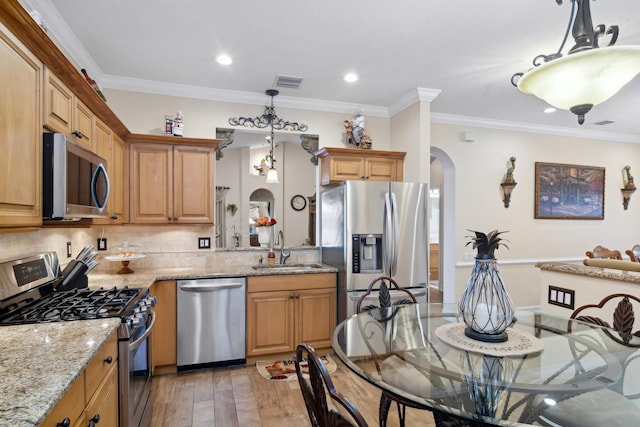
pixel 367 253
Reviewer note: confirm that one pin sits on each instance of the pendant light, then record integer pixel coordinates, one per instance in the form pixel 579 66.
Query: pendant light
pixel 588 75
pixel 269 118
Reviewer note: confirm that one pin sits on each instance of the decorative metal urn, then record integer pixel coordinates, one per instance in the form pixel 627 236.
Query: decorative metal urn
pixel 485 305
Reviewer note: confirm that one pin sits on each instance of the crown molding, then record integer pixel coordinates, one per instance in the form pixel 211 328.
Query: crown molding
pixel 413 96
pixel 532 128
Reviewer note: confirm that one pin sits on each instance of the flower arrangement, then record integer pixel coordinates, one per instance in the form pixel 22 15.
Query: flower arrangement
pixel 265 221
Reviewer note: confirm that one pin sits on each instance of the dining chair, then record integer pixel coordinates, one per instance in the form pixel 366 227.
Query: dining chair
pixel 315 388
pixel 619 340
pixel 634 253
pixel 602 252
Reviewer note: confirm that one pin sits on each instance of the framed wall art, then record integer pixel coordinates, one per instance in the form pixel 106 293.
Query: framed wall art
pixel 569 191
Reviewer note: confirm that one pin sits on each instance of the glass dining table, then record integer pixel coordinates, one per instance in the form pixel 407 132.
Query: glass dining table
pixel 551 371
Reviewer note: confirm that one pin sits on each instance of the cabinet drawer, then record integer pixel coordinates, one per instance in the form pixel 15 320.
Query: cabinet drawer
pixel 105 402
pixel 70 406
pixel 100 365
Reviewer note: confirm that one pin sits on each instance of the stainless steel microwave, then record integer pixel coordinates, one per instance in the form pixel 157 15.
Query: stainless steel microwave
pixel 75 183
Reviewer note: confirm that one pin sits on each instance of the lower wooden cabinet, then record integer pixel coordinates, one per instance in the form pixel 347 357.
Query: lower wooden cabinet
pixel 163 336
pixel 284 310
pixel 94 394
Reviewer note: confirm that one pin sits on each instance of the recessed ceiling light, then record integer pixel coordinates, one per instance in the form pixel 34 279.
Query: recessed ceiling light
pixel 351 77
pixel 224 59
pixel 549 110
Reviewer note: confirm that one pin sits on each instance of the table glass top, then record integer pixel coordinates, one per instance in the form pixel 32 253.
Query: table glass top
pixel 550 370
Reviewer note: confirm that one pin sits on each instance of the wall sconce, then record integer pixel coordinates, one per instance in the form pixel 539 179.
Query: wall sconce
pixel 508 183
pixel 629 188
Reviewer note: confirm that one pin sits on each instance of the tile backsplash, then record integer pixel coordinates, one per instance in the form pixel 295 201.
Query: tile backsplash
pixel 164 246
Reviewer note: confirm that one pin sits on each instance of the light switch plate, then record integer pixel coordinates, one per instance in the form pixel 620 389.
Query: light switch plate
pixel 204 242
pixel 561 297
pixel 102 243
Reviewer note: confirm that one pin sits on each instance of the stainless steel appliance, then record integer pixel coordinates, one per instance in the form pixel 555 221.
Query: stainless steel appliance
pixel 371 229
pixel 211 322
pixel 75 183
pixel 33 289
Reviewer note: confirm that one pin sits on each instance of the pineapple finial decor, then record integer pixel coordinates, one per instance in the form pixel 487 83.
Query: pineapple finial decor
pixel 485 306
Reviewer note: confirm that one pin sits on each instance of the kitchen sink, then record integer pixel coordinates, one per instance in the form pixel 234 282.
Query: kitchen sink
pixel 287 266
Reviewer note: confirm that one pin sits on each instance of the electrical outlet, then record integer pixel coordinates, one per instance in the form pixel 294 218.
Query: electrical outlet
pixel 102 243
pixel 69 250
pixel 204 242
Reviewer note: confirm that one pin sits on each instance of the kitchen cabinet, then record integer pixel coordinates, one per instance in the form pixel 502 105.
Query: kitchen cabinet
pixel 171 183
pixel 341 164
pixel 20 134
pixel 111 147
pixel 434 261
pixel 163 335
pixel 64 112
pixel 284 310
pixel 94 394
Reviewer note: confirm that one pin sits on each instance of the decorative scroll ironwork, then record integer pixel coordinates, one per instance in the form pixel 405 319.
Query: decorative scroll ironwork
pixel 269 118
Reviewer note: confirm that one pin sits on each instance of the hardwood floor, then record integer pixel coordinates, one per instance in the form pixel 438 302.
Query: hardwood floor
pixel 239 396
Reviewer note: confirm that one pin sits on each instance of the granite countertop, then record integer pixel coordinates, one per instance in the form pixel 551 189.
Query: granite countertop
pixel 583 270
pixel 39 362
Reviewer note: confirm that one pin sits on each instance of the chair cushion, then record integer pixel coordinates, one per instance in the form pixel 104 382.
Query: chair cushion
pixel 578 411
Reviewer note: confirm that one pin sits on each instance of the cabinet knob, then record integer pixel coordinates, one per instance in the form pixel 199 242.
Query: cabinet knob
pixel 64 423
pixel 95 420
pixel 78 134
pixel 108 360
pixel 291 296
pixel 114 217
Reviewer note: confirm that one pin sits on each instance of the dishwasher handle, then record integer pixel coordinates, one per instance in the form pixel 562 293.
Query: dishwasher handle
pixel 210 287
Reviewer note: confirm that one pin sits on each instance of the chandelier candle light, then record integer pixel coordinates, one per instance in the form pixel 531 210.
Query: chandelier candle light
pixel 588 75
pixel 269 118
pixel 485 305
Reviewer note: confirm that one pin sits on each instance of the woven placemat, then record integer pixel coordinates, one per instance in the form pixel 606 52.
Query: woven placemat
pixel 518 343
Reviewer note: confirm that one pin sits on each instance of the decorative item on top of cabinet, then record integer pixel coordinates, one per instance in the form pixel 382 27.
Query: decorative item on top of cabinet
pixel 172 180
pixel 342 164
pixel 356 137
pixel 64 112
pixel 20 134
pixel 283 310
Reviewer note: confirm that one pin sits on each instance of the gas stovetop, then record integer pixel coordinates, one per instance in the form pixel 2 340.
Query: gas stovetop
pixel 76 304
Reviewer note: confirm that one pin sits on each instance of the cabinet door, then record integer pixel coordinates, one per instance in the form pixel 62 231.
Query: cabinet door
pixel 58 104
pixel 71 406
pixel 151 184
pixel 346 168
pixel 163 334
pixel 83 125
pixel 20 134
pixel 270 323
pixel 193 184
pixel 103 406
pixel 118 180
pixel 316 316
pixel 381 169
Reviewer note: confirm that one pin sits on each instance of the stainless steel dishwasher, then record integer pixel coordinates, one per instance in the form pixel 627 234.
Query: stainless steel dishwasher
pixel 211 322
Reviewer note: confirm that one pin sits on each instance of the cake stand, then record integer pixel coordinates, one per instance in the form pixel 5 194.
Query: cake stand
pixel 125 261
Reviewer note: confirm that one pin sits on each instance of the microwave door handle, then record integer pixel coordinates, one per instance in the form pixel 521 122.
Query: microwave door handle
pixel 94 184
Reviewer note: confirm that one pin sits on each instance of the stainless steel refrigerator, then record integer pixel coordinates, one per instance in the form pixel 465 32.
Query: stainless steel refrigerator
pixel 370 229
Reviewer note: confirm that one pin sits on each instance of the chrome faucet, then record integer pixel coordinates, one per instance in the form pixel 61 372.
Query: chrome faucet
pixel 284 254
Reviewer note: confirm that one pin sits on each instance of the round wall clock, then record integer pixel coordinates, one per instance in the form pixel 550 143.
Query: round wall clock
pixel 298 202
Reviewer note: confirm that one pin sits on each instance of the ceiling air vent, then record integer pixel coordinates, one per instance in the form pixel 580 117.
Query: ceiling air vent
pixel 288 82
pixel 604 122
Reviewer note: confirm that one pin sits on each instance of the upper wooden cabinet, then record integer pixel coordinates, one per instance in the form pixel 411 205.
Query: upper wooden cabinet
pixel 110 147
pixel 66 113
pixel 342 164
pixel 171 182
pixel 20 134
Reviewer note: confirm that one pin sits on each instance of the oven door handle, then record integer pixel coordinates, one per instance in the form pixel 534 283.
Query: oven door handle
pixel 144 336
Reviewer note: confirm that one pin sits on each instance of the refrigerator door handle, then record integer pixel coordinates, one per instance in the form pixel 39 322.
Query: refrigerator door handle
pixel 388 235
pixel 396 232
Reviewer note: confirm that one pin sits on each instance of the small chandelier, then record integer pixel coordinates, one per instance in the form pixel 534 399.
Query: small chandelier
pixel 269 118
pixel 588 75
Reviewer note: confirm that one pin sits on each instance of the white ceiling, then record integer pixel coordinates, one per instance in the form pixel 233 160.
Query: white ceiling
pixel 463 51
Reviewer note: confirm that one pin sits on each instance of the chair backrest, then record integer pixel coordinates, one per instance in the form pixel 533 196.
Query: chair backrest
pixel 619 308
pixel 315 385
pixel 384 296
pixel 602 252
pixel 634 253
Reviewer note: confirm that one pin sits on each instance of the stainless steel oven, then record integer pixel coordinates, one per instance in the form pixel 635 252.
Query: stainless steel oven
pixel 134 366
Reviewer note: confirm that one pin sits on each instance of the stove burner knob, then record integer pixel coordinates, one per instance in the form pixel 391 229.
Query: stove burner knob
pixel 137 320
pixel 151 301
